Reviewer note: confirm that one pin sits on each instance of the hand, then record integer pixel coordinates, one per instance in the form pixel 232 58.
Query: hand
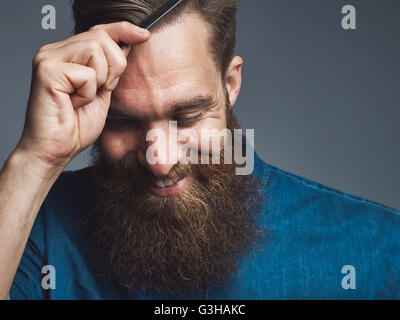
pixel 71 90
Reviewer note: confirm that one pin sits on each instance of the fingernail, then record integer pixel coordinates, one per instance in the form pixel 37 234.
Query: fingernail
pixel 145 32
pixel 114 84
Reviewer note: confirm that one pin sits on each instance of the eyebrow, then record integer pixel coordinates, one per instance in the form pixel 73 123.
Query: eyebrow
pixel 196 103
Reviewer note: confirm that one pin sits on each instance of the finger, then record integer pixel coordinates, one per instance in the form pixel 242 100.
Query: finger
pixel 77 81
pixel 125 32
pixel 98 51
pixel 88 53
pixel 118 31
pixel 116 58
pixel 109 36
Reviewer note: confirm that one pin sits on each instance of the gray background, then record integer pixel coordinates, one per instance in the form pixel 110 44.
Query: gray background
pixel 324 102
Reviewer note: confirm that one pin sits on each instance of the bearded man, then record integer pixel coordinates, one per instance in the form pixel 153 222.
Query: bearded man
pixel 128 227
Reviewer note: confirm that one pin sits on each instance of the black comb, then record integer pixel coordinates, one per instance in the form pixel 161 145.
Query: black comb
pixel 156 16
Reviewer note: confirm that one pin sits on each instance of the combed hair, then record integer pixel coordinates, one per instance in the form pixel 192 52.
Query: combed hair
pixel 220 16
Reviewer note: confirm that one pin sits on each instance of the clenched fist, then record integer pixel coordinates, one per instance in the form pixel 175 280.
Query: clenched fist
pixel 71 91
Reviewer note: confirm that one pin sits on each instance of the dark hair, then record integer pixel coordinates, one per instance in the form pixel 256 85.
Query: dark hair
pixel 220 16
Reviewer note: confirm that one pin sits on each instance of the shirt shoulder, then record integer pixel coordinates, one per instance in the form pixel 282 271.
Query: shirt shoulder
pixel 291 197
pixel 322 209
pixel 314 235
pixel 289 188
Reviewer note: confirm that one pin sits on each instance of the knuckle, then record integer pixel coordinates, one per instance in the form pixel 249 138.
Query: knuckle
pixel 95 28
pixel 122 64
pixel 44 67
pixel 36 59
pixel 44 48
pixel 100 33
pixel 41 54
pixel 93 45
pixel 91 74
pixel 101 76
pixel 126 24
pixel 119 67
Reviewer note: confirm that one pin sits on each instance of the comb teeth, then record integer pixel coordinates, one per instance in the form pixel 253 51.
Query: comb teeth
pixel 159 13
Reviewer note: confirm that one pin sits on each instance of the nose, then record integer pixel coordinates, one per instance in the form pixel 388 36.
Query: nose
pixel 160 152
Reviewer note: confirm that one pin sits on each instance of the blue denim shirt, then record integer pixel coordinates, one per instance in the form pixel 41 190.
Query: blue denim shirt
pixel 314 232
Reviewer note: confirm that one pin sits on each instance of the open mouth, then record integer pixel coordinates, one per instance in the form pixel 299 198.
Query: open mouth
pixel 167 187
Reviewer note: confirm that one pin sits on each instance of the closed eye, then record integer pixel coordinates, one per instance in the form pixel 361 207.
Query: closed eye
pixel 119 124
pixel 188 121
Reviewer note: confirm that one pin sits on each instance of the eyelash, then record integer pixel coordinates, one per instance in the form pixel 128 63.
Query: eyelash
pixel 188 121
pixel 182 122
pixel 120 124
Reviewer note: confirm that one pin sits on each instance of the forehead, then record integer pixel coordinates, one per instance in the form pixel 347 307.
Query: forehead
pixel 173 66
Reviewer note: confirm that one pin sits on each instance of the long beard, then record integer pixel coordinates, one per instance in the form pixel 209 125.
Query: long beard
pixel 172 244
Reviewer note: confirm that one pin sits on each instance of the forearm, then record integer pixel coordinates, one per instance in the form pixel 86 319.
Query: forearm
pixel 24 184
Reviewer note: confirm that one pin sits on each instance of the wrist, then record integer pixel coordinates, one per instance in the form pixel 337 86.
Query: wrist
pixel 32 166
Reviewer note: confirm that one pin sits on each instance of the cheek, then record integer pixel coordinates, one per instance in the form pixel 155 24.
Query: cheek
pixel 115 145
pixel 201 136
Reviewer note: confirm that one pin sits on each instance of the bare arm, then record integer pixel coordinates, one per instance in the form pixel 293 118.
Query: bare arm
pixel 24 184
pixel 68 105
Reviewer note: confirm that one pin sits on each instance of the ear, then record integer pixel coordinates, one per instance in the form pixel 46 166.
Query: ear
pixel 234 79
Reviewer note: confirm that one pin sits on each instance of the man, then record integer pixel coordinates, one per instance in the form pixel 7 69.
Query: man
pixel 132 228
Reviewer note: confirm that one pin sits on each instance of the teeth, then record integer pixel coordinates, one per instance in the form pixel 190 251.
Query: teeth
pixel 164 183
pixel 168 182
pixel 160 183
